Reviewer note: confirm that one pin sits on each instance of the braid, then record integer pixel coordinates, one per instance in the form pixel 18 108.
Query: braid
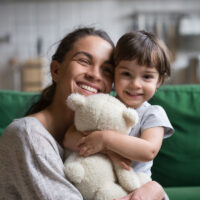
pixel 45 100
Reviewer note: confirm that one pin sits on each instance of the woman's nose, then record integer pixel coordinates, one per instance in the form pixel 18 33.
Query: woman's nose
pixel 94 73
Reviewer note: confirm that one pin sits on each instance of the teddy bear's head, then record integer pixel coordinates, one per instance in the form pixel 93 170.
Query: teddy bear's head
pixel 101 112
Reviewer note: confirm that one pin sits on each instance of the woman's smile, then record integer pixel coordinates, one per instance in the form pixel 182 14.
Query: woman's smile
pixel 88 88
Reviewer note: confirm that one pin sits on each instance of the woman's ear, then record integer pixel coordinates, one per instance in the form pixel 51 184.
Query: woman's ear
pixel 55 68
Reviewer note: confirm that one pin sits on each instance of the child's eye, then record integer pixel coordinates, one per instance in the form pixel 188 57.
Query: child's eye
pixel 148 76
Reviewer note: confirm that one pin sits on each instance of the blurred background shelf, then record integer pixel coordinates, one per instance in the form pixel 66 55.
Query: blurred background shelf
pixel 31 30
pixel 33 75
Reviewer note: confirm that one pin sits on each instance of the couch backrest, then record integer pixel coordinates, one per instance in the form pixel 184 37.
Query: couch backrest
pixel 178 162
pixel 14 105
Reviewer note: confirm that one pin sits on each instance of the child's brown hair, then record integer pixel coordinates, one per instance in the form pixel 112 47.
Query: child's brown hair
pixel 146 49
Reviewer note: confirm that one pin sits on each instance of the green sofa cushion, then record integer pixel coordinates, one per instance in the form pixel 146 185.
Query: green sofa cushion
pixel 14 105
pixel 178 162
pixel 183 193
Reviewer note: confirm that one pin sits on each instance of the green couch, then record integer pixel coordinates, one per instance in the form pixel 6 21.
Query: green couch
pixel 177 166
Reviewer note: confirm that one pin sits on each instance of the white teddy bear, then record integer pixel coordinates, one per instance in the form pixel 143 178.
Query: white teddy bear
pixel 96 177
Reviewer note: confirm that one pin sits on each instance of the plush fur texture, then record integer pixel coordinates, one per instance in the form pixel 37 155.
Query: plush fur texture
pixel 96 177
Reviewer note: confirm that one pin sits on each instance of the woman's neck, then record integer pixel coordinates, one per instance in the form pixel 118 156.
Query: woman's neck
pixel 56 121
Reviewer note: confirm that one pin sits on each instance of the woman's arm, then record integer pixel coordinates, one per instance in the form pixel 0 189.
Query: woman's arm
pixel 148 191
pixel 34 163
pixel 133 148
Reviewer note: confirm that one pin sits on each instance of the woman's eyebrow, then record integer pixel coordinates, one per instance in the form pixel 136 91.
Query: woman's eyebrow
pixel 83 53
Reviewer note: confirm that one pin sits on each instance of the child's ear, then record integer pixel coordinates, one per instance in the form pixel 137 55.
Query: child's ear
pixel 159 83
pixel 55 67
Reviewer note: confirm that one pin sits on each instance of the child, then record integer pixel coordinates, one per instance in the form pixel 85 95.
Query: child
pixel 142 64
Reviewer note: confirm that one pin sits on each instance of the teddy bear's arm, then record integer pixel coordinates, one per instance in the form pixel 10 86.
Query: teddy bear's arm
pixel 73 168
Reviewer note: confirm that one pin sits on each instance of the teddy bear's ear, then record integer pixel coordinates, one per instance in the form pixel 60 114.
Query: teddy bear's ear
pixel 130 117
pixel 75 100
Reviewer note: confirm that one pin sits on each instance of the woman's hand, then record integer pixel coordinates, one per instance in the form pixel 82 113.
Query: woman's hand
pixel 92 143
pixel 71 138
pixel 149 191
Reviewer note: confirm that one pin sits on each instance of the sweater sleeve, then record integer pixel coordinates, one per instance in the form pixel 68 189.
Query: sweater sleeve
pixel 33 167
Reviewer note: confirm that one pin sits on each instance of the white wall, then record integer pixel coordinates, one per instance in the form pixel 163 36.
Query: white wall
pixel 51 20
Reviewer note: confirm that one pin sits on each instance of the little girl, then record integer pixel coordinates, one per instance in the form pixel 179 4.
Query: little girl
pixel 142 64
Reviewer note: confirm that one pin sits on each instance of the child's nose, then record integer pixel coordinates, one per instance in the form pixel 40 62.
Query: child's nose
pixel 136 83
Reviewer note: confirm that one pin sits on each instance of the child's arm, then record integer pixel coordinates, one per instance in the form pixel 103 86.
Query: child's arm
pixel 133 148
pixel 70 142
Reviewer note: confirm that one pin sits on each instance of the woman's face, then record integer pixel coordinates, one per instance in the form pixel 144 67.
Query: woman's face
pixel 87 69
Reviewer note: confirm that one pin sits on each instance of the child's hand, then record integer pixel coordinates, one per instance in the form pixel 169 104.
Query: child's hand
pixel 71 137
pixel 123 162
pixel 92 143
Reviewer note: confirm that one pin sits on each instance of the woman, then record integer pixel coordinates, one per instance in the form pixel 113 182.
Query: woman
pixel 31 147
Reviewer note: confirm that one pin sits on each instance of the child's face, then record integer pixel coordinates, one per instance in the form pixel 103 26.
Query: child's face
pixel 135 84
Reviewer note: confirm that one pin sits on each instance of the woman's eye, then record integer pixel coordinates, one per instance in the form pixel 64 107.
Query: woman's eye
pixel 83 61
pixel 108 71
pixel 125 74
